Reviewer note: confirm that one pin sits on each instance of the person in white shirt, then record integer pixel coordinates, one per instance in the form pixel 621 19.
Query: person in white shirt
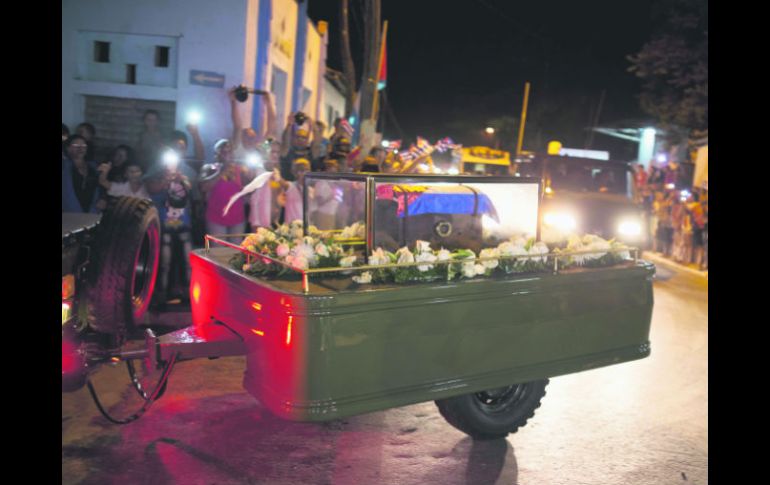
pixel 133 187
pixel 293 207
pixel 326 197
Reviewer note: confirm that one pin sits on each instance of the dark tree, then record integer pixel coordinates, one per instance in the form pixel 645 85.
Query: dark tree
pixel 673 66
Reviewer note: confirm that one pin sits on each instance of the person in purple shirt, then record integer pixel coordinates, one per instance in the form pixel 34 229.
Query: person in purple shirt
pixel 218 191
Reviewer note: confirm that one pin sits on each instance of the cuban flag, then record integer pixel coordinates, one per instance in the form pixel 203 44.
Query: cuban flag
pixel 410 154
pixel 423 147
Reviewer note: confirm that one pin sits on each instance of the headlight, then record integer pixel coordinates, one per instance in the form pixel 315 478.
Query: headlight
pixel 560 220
pixel 630 228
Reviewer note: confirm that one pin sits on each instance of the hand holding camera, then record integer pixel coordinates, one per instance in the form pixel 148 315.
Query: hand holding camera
pixel 241 93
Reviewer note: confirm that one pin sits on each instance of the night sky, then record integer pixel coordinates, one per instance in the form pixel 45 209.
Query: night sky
pixel 455 65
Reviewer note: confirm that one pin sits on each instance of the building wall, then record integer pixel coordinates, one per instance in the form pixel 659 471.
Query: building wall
pixel 283 31
pixel 310 73
pixel 333 105
pixel 219 37
pixel 209 36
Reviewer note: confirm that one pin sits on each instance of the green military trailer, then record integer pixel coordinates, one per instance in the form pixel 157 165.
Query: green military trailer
pixel 332 325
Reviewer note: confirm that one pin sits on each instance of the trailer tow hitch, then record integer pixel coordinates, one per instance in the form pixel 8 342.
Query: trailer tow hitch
pixel 150 353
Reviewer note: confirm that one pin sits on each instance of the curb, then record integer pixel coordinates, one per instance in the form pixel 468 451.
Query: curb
pixel 679 267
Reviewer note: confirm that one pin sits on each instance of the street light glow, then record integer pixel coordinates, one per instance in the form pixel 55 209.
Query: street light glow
pixel 490 130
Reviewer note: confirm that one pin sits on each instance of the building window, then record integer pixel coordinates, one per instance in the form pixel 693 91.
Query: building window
pixel 130 73
pixel 161 56
pixel 101 51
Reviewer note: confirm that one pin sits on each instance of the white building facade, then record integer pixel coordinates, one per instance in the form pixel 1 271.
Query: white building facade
pixel 175 56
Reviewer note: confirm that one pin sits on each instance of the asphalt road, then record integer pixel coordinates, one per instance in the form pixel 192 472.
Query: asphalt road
pixel 643 422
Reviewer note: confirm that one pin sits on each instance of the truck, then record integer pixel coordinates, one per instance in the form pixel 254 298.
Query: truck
pixel 585 195
pixel 358 332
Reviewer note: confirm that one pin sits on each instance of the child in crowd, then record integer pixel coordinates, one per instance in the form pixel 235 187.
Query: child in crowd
pixel 133 185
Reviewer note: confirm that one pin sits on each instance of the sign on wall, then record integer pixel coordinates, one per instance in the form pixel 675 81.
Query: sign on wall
pixel 207 78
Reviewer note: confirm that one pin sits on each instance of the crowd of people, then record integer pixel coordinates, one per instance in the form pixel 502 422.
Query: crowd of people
pixel 678 216
pixel 191 195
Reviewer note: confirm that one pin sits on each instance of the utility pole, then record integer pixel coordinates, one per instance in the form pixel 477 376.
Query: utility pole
pixel 371 57
pixel 523 119
pixel 348 68
pixel 595 122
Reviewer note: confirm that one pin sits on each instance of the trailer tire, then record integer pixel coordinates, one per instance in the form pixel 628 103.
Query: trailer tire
pixel 492 414
pixel 124 266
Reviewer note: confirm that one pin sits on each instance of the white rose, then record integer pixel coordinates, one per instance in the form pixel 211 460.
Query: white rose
pixel 246 267
pixel 489 253
pixel 426 257
pixel 283 230
pixel 304 251
pixel 378 257
pixel 365 277
pixel 598 244
pixel 539 248
pixel 574 242
pixel 519 241
pixel 282 250
pixel 297 233
pixel 347 261
pixel 405 256
pixel 469 270
pixel 479 269
pixel 322 250
pixel 422 247
pixel 444 255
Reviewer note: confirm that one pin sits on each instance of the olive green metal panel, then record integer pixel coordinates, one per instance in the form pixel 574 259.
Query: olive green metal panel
pixel 374 350
pixel 376 347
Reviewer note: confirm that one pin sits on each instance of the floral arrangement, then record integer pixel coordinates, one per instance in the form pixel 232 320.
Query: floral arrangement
pixel 596 251
pixel 288 245
pixel 462 263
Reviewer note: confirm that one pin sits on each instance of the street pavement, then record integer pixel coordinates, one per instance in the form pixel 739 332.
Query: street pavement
pixel 643 422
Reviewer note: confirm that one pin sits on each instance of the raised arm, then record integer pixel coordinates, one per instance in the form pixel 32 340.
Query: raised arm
pixel 104 170
pixel 198 151
pixel 236 118
pixel 271 127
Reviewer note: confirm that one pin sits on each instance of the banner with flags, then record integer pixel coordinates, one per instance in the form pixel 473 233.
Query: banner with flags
pixel 394 145
pixel 445 144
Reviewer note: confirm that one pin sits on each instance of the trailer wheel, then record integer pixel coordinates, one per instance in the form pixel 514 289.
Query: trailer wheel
pixel 124 265
pixel 492 414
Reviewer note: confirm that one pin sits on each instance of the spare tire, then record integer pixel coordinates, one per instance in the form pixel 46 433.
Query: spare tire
pixel 124 265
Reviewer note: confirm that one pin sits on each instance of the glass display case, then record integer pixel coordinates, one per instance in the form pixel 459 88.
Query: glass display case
pixel 451 212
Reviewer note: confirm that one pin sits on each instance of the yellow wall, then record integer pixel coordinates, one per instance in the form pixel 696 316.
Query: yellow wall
pixel 283 33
